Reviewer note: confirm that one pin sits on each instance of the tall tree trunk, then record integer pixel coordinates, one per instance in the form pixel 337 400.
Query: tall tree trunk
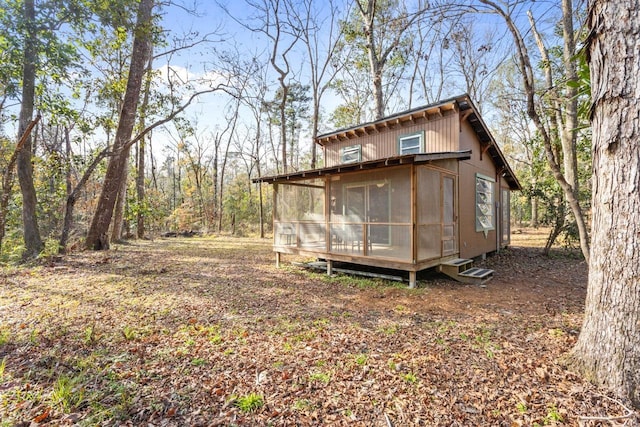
pixel 608 349
pixel 97 237
pixel 570 99
pixel 257 159
pixel 534 212
pixel 7 178
pixel 140 190
pixel 221 186
pixel 32 241
pixel 232 128
pixel 376 64
pixel 283 123
pixel 214 178
pixel 140 193
pixel 121 202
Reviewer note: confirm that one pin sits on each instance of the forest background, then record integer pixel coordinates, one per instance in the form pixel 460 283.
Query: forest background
pixel 230 91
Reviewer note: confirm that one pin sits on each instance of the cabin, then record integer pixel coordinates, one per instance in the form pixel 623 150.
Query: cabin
pixel 424 188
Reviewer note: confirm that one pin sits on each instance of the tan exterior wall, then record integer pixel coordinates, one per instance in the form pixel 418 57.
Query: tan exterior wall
pixel 473 243
pixel 441 135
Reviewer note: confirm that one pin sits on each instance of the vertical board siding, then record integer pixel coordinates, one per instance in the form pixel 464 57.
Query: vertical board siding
pixel 441 136
pixel 472 242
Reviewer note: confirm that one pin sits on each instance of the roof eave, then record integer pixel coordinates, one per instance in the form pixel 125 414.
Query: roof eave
pixel 371 164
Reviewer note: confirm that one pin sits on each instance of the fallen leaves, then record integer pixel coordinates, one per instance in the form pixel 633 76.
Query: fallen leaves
pixel 210 322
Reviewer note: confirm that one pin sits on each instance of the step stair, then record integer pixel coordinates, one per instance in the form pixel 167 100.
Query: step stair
pixel 460 269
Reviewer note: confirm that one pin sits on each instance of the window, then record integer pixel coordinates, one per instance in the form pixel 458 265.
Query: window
pixel 484 203
pixel 352 154
pixel 412 143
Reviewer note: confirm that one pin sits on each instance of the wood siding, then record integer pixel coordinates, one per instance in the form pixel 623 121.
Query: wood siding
pixel 441 135
pixel 474 243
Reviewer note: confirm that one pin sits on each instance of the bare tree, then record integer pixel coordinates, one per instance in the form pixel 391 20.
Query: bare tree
pixel 536 112
pixel 273 20
pixel 608 348
pixel 430 61
pixel 232 121
pixel 475 57
pixel 385 26
pixel 320 55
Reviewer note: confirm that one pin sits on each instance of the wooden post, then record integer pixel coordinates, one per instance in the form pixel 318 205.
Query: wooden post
pixel 412 279
pixel 329 267
pixel 277 259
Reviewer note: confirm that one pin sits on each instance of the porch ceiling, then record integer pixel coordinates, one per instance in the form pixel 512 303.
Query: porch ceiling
pixel 372 164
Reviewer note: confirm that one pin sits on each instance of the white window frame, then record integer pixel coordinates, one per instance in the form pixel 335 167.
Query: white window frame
pixel 413 148
pixel 351 154
pixel 485 210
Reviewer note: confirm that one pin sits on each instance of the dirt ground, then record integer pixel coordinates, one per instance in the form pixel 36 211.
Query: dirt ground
pixel 206 331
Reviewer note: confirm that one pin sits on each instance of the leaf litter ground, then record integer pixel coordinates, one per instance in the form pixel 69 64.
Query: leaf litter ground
pixel 206 331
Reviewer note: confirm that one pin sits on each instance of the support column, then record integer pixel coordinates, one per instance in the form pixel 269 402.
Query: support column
pixel 412 279
pixel 277 259
pixel 329 267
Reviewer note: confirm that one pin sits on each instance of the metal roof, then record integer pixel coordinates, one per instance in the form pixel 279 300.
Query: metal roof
pixel 371 164
pixel 462 104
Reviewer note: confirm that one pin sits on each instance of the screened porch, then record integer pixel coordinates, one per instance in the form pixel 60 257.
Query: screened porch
pixel 366 214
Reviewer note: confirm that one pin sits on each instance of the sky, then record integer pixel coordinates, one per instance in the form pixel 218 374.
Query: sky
pixel 201 17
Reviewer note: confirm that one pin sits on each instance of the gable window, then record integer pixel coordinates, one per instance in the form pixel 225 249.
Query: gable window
pixel 351 154
pixel 484 203
pixel 412 143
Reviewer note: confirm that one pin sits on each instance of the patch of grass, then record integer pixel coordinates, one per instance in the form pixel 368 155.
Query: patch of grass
pixel 389 329
pixel 400 308
pixel 249 403
pixel 556 333
pixel 410 378
pixel 361 359
pixel 90 335
pixel 322 377
pixel 129 333
pixel 553 415
pixel 86 363
pixel 4 336
pixel 33 337
pixel 483 341
pixel 197 361
pixel 216 339
pixel 67 393
pixel 304 336
pixel 320 323
pixel 444 327
pixel 208 330
pixel 521 407
pixel 302 405
pixel 3 366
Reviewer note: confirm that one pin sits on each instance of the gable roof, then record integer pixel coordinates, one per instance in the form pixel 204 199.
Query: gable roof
pixel 461 104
